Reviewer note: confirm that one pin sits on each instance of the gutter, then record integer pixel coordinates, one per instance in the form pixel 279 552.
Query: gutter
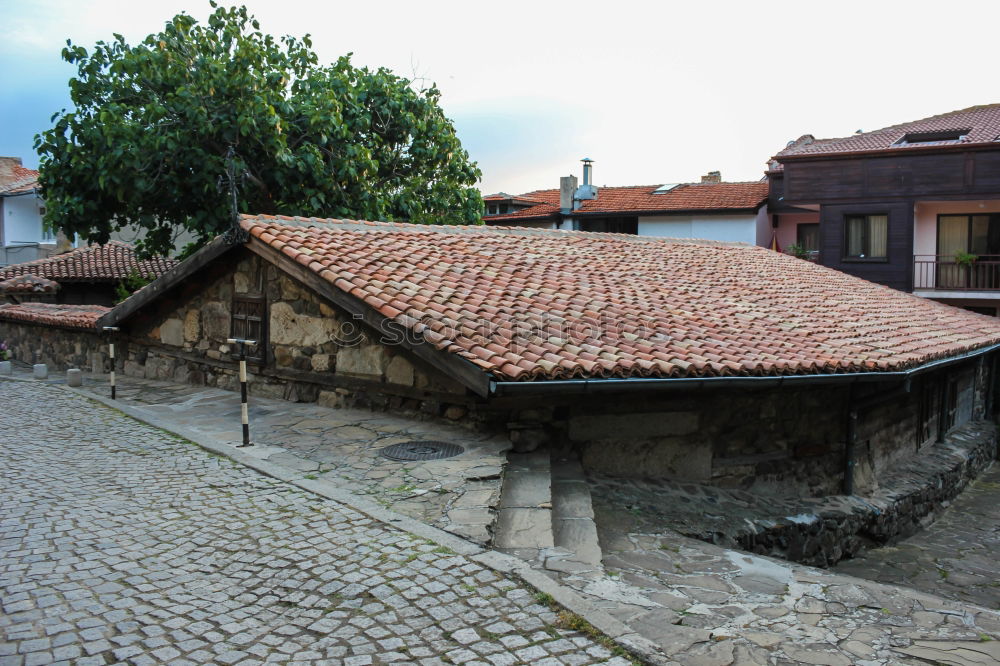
pixel 598 386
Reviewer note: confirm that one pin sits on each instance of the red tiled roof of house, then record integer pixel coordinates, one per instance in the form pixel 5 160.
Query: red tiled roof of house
pixel 537 304
pixel 95 263
pixel 21 180
pixel 51 314
pixel 28 283
pixel 643 198
pixel 978 124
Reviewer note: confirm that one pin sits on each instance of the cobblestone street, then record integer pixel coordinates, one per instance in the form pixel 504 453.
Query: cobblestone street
pixel 122 543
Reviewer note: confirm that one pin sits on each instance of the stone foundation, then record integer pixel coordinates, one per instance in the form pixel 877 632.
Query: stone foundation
pixel 908 500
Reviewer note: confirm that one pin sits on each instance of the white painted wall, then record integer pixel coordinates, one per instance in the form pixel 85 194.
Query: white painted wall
pixel 22 221
pixel 731 228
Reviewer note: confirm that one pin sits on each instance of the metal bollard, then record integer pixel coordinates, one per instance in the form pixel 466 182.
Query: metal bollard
pixel 244 410
pixel 111 355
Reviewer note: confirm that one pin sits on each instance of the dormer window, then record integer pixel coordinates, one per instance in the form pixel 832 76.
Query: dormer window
pixel 930 138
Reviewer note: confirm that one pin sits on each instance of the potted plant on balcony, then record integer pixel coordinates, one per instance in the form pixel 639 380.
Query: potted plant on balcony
pixel 965 258
pixel 798 251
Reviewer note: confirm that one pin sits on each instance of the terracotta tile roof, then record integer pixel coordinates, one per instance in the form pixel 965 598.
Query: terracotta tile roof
pixel 28 283
pixel 643 199
pixel 979 124
pixel 51 314
pixel 534 304
pixel 22 180
pixel 94 263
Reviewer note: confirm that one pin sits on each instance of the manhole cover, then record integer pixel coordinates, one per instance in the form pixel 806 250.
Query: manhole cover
pixel 420 451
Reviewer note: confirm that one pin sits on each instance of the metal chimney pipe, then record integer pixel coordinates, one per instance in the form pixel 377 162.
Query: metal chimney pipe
pixel 587 166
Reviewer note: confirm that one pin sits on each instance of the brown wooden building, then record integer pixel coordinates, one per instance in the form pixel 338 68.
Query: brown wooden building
pixel 915 206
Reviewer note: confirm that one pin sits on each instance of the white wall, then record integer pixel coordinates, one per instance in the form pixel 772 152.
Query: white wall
pixel 22 221
pixel 732 228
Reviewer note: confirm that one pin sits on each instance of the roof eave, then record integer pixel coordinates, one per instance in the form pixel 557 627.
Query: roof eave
pixel 668 211
pixel 896 150
pixel 629 385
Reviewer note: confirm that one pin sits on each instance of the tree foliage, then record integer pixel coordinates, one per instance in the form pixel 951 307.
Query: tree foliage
pixel 147 141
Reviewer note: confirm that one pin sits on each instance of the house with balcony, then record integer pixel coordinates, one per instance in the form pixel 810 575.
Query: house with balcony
pixel 914 206
pixel 710 209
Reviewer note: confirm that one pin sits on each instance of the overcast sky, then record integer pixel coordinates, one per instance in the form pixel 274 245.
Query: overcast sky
pixel 654 92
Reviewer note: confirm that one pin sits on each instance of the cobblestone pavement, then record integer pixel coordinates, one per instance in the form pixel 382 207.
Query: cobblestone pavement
pixel 120 543
pixel 341 445
pixel 955 557
pixel 708 605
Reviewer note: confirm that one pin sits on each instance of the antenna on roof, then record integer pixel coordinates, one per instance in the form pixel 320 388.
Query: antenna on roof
pixel 235 235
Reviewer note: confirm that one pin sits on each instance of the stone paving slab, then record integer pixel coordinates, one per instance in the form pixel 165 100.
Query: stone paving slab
pixel 457 494
pixel 708 605
pixel 120 543
pixel 956 557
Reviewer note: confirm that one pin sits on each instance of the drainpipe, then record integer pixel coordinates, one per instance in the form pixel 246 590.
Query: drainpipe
pixel 942 409
pixel 852 438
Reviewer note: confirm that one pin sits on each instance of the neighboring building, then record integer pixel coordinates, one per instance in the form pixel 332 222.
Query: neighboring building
pixel 711 209
pixel 23 237
pixel 915 206
pixel 86 275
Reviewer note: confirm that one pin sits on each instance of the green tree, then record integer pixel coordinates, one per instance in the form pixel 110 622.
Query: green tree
pixel 155 126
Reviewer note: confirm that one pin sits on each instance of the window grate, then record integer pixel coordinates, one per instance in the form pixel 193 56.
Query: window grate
pixel 248 323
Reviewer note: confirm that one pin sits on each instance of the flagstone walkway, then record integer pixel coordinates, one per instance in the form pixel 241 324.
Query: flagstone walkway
pixel 341 445
pixel 957 557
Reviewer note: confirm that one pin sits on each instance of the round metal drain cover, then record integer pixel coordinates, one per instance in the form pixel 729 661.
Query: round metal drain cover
pixel 421 450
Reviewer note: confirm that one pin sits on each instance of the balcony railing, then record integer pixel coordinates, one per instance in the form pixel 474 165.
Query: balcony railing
pixel 943 272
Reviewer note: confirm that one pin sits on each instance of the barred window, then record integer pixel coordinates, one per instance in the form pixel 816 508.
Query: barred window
pixel 248 322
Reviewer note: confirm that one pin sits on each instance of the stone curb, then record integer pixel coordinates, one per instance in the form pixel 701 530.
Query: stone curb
pixel 640 647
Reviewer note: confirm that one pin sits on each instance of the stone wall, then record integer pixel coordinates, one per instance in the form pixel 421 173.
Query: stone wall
pixel 763 440
pixel 782 441
pixel 59 348
pixel 315 351
pixel 909 498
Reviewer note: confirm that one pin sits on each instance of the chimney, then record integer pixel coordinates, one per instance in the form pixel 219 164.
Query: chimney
pixel 7 165
pixel 587 190
pixel 712 177
pixel 567 186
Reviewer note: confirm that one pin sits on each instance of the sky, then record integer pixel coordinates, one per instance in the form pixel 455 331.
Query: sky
pixel 653 92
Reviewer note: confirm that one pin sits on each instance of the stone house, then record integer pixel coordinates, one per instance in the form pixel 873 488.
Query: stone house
pixel 705 362
pixel 734 366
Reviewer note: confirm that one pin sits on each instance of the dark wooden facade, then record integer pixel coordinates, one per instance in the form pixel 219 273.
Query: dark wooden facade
pixel 911 175
pixel 888 183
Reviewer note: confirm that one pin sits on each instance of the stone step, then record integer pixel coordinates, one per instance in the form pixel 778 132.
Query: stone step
pixel 524 523
pixel 573 526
